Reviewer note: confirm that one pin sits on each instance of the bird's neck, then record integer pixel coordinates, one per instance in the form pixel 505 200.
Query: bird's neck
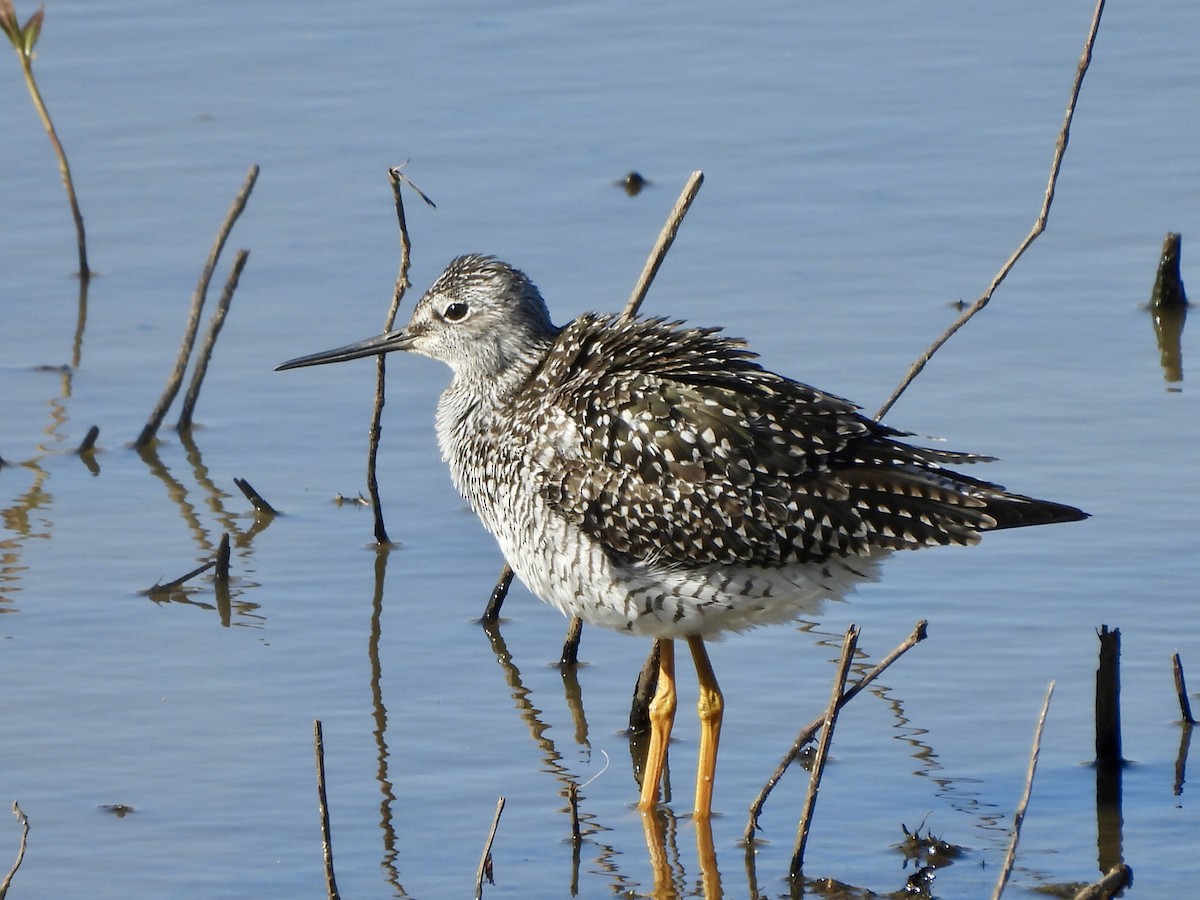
pixel 475 413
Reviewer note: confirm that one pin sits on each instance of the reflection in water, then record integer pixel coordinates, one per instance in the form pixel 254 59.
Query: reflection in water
pixel 1168 332
pixel 390 854
pixel 1185 743
pixel 1109 817
pixel 228 591
pixel 17 517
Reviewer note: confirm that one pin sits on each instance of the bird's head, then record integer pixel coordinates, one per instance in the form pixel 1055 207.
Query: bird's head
pixel 480 317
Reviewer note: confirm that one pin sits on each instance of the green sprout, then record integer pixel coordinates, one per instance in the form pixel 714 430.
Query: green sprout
pixel 23 39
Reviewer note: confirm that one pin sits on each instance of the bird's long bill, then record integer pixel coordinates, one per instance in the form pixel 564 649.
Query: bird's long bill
pixel 373 346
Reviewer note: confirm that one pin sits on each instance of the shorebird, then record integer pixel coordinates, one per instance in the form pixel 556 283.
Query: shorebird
pixel 654 478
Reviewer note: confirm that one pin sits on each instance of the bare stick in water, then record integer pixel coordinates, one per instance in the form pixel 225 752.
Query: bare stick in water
pixel 189 335
pixel 818 768
pixel 806 734
pixel 666 238
pixel 1039 226
pixel 323 808
pixel 1019 815
pixel 485 860
pixel 402 285
pixel 24 820
pixel 1185 707
pixel 210 341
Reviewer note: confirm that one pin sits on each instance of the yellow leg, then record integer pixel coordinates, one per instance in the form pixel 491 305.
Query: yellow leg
pixel 711 708
pixel 662 717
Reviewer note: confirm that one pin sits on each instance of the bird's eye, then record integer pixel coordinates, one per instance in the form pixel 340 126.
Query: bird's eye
pixel 456 312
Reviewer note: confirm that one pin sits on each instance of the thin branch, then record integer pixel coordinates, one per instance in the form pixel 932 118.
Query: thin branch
pixel 818 769
pixel 666 237
pixel 402 285
pixel 210 341
pixel 485 860
pixel 1019 816
pixel 189 336
pixel 1038 227
pixel 181 580
pixel 919 633
pixel 323 808
pixel 24 820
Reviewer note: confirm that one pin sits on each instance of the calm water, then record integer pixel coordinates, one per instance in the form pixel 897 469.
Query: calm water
pixel 866 167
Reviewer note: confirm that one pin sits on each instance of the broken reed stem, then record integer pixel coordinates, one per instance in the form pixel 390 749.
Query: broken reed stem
pixel 1185 707
pixel 323 808
pixel 193 325
pixel 1039 226
pixel 491 613
pixel 569 658
pixel 256 499
pixel 919 633
pixel 88 445
pixel 1019 815
pixel 210 341
pixel 182 579
pixel 485 859
pixel 814 782
pixel 658 253
pixel 666 237
pixel 1108 698
pixel 24 820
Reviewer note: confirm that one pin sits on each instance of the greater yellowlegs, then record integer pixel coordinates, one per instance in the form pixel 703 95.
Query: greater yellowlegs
pixel 653 478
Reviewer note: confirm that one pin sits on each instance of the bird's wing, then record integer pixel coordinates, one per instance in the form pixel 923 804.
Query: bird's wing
pixel 673 445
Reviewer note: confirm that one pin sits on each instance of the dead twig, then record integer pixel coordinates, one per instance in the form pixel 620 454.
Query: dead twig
pixel 919 633
pixel 666 237
pixel 814 783
pixel 88 445
pixel 323 808
pixel 1039 226
pixel 1019 815
pixel 210 341
pixel 485 860
pixel 402 285
pixel 256 499
pixel 193 325
pixel 24 820
pixel 180 581
pixel 491 613
pixel 1115 879
pixel 1185 707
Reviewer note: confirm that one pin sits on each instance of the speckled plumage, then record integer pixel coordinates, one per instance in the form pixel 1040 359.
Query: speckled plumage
pixel 654 478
